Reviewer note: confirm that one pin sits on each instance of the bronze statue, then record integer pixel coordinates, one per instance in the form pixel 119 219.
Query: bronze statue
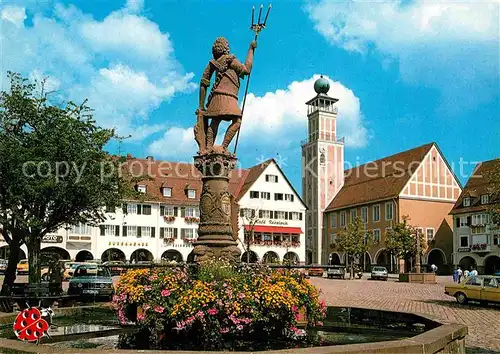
pixel 222 103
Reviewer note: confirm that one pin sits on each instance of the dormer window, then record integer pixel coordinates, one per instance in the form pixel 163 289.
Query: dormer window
pixel 191 193
pixel 485 199
pixel 167 192
pixel 141 188
pixel 466 202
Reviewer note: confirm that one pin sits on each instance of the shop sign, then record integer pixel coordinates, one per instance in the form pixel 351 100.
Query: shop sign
pixel 464 249
pixel 52 239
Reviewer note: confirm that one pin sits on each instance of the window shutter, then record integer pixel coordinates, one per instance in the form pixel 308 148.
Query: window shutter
pixel 102 230
pixel 124 231
pixel 300 216
pixel 183 233
pixel 271 214
pixel 139 209
pixel 286 215
pixel 260 213
pixel 153 232
pixel 175 211
pixel 276 214
pixel 162 210
pixel 267 178
pixel 292 196
pixel 124 208
pixel 276 179
pixel 175 233
pixel 275 196
pixel 117 230
pixel 162 232
pixel 242 213
pixel 469 221
pixel 138 231
pixel 457 223
pixel 183 212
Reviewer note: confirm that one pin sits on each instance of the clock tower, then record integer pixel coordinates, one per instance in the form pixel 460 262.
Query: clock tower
pixel 322 168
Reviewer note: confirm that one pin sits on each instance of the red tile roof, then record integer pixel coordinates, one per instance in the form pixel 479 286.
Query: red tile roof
pixel 478 184
pixel 379 180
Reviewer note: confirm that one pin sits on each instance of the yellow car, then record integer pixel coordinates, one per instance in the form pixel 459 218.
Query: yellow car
pixel 23 267
pixel 482 288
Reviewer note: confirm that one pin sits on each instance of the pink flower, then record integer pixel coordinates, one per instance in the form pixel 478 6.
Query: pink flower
pixel 146 307
pixel 147 288
pixel 180 325
pixel 165 292
pixel 224 330
pixel 159 309
pixel 200 314
pixel 212 311
pixel 295 309
pixel 239 327
pixel 140 317
pixel 241 296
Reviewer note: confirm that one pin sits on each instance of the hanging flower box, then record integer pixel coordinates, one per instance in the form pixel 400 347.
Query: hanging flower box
pixel 191 219
pixel 189 240
pixel 169 218
pixel 277 242
pixel 295 243
pixel 169 240
pixel 479 246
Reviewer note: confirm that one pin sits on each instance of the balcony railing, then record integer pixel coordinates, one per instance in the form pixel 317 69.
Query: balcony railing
pixel 480 247
pixel 333 139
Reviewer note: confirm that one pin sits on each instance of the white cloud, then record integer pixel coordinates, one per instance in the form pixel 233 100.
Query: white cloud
pixel 177 144
pixel 283 112
pixel 277 120
pixel 452 46
pixel 134 5
pixel 14 14
pixel 123 64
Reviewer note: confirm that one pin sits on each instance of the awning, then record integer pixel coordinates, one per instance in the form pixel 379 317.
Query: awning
pixel 275 229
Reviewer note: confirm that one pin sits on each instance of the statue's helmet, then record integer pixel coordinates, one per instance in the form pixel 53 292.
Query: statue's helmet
pixel 220 47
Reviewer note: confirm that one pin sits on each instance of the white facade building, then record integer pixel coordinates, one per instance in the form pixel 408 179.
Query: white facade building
pixel 167 227
pixel 476 239
pixel 323 168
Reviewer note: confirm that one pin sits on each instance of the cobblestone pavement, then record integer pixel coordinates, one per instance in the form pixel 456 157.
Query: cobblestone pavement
pixel 483 322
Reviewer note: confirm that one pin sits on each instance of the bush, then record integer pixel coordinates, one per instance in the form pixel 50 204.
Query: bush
pixel 217 303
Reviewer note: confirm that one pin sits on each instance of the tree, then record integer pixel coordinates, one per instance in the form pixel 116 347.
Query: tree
pixel 250 219
pixel 354 241
pixel 494 180
pixel 401 240
pixel 53 171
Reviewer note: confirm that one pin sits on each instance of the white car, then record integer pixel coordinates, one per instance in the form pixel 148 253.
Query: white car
pixel 379 273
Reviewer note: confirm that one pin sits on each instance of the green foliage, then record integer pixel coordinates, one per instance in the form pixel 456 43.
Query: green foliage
pixel 401 240
pixel 354 240
pixel 54 171
pixel 494 180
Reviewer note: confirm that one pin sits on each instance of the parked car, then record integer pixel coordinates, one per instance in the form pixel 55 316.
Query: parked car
pixel 115 267
pixel 481 288
pixel 336 272
pixel 3 266
pixel 379 273
pixel 315 272
pixel 70 268
pixel 23 267
pixel 91 282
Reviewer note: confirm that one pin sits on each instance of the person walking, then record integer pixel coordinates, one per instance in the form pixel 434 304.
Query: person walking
pixel 455 275
pixel 466 273
pixel 459 273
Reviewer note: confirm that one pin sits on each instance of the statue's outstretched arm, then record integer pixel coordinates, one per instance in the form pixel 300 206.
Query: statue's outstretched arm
pixel 205 82
pixel 246 68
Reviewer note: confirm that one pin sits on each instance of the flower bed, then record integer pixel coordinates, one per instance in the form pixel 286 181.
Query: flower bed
pixel 216 303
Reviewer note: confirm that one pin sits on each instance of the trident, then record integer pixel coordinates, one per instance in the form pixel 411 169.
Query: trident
pixel 256 28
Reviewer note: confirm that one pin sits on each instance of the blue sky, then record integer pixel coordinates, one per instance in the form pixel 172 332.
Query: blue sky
pixel 406 73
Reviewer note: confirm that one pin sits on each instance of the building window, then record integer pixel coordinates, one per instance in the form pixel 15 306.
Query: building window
pixel 131 231
pixel 289 197
pixel 266 214
pixel 254 195
pixel 466 202
pixel 188 234
pixel 296 216
pixel 131 208
pixel 478 230
pixel 141 188
pixel 480 219
pixel 342 218
pixel 333 238
pixel 464 241
pixel 485 199
pixel 168 232
pixel 333 220
pixel 265 195
pixel 462 221
pixel 110 230
pixel 272 178
pixel 278 196
pixel 322 158
pixel 376 213
pixel 353 214
pixel 193 212
pixel 144 231
pixel 388 211
pixel 166 210
pixel 496 240
pixel 191 193
pixel 279 215
pixel 430 234
pixel 364 214
pixel 376 235
pixel 81 229
pixel 146 209
pixel 167 192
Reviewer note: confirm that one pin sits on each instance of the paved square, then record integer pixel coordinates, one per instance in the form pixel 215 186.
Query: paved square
pixel 483 322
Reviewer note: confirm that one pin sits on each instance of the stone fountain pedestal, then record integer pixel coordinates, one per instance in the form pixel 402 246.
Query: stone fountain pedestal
pixel 215 232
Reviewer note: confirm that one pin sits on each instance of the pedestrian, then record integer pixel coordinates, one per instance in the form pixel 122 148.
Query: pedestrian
pixel 466 274
pixel 455 275
pixel 434 268
pixel 459 271
pixel 473 273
